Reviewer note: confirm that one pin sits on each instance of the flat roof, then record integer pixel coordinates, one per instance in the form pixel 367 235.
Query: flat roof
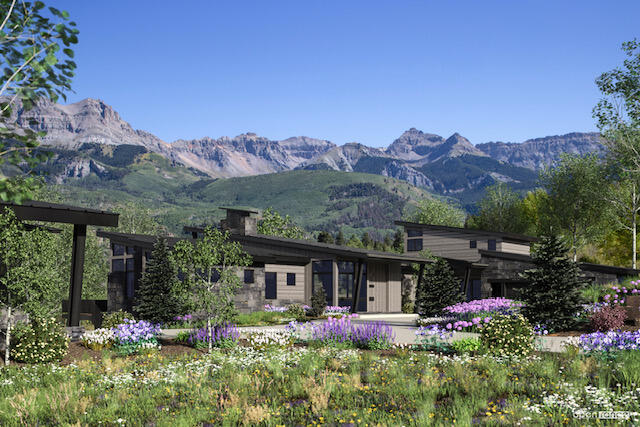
pixel 585 266
pixel 291 248
pixel 54 212
pixel 507 236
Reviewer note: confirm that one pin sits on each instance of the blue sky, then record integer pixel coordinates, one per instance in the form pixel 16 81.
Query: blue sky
pixel 350 70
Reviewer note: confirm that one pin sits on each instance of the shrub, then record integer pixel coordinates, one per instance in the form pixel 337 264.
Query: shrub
pixel 608 318
pixel 508 336
pixel 132 336
pixel 467 345
pixel 372 335
pixel 98 338
pixel 115 318
pixel 224 336
pixel 296 311
pixel 182 337
pixel 262 339
pixel 318 302
pixel 42 340
pixel 408 307
pixel 438 289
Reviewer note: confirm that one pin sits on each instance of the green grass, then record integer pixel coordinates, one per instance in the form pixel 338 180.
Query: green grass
pixel 325 386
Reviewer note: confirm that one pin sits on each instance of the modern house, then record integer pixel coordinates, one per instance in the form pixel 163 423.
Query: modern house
pixel 489 263
pixel 284 271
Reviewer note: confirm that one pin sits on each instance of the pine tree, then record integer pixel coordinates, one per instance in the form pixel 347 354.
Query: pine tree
pixel 156 300
pixel 366 240
pixel 439 288
pixel 398 241
pixel 318 302
pixel 553 294
pixel 325 237
pixel 340 238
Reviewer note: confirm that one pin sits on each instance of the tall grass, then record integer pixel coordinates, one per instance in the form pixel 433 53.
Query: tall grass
pixel 302 386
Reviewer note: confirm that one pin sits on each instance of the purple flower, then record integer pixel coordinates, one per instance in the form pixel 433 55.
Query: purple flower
pixel 226 332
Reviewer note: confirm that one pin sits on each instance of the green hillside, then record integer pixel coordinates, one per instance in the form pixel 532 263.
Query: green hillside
pixel 316 199
pixel 466 177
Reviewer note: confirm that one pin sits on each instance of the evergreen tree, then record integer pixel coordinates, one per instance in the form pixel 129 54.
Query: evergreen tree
pixel 340 238
pixel 318 302
pixel 387 243
pixel 438 289
pixel 354 242
pixel 398 241
pixel 367 242
pixel 325 237
pixel 156 300
pixel 553 294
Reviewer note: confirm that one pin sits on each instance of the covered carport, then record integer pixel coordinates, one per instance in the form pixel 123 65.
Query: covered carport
pixel 80 218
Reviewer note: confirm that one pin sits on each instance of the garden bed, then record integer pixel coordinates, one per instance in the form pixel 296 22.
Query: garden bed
pixel 319 386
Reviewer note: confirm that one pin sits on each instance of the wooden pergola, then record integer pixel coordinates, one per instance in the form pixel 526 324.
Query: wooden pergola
pixel 80 218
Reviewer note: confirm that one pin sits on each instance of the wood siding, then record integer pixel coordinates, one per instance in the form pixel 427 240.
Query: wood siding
pixel 394 293
pixel 377 278
pixel 285 292
pixel 451 245
pixel 514 248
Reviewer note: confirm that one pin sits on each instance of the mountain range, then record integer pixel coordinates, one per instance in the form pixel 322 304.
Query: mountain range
pixel 450 166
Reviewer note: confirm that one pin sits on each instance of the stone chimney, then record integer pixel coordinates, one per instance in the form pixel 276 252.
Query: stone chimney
pixel 240 221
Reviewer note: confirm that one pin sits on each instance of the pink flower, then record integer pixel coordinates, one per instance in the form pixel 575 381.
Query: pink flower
pixel 449 326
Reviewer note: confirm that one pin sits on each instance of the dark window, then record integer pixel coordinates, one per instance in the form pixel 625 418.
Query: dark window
pixel 371 299
pixel 496 290
pixel 414 233
pixel 270 286
pixel 130 250
pixel 473 244
pixel 491 245
pixel 346 281
pixel 117 249
pixel 130 284
pixel 249 276
pixel 414 245
pixel 323 276
pixel 130 264
pixel 291 279
pixel 117 265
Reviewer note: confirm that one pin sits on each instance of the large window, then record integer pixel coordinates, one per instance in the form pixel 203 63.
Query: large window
pixel 323 276
pixel 473 244
pixel 346 280
pixel 414 245
pixel 491 245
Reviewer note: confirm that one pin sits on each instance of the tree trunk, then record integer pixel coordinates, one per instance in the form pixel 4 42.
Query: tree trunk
pixel 634 226
pixel 7 337
pixel 210 332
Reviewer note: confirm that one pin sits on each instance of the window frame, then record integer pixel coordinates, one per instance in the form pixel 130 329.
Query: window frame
pixel 290 276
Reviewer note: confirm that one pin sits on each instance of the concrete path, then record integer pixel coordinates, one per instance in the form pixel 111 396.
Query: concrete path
pixel 404 328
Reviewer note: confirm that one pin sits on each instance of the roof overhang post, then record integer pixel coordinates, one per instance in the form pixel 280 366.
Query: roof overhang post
pixel 465 285
pixel 77 270
pixel 356 288
pixel 419 283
